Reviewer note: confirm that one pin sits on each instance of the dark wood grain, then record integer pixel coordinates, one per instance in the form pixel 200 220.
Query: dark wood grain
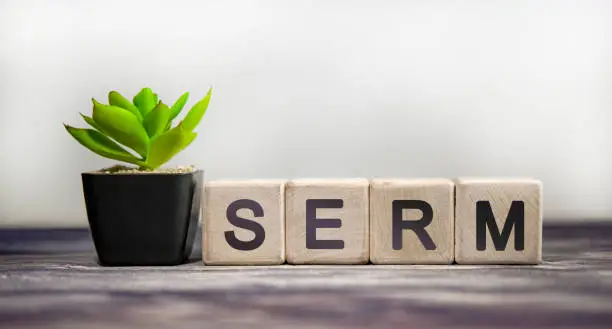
pixel 50 279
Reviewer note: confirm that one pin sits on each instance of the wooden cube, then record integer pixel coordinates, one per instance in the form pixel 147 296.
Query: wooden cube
pixel 498 221
pixel 244 222
pixel 412 221
pixel 327 221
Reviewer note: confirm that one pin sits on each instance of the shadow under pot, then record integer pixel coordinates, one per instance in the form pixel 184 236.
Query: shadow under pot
pixel 143 218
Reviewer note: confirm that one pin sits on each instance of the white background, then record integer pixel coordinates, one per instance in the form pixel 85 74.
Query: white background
pixel 317 89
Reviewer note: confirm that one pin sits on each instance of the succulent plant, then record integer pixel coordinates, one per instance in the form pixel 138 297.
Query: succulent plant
pixel 143 125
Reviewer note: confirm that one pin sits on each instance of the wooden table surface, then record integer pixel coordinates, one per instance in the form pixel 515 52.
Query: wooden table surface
pixel 50 279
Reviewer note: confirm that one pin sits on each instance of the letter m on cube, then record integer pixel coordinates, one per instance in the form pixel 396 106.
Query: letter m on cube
pixel 498 221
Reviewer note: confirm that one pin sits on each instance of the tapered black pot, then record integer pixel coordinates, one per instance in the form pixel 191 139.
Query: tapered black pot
pixel 143 219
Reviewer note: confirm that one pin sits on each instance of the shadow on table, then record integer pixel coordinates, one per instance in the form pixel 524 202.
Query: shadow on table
pixel 51 241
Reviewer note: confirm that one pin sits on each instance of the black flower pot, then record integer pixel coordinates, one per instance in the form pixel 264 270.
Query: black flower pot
pixel 143 218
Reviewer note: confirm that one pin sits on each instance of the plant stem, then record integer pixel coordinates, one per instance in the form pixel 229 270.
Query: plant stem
pixel 144 168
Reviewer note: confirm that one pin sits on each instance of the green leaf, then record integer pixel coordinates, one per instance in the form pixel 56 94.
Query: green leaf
pixel 176 109
pixel 157 120
pixel 155 98
pixel 102 145
pixel 91 122
pixel 190 138
pixel 121 125
pixel 193 117
pixel 116 99
pixel 145 101
pixel 167 145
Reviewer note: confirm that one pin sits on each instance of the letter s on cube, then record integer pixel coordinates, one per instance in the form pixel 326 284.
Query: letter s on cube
pixel 244 222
